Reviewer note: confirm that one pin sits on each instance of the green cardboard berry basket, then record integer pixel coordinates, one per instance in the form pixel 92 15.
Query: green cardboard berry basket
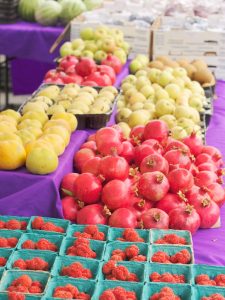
pixel 144 249
pixel 11 275
pixel 184 291
pixel 115 233
pixel 171 250
pixel 5 252
pixel 56 239
pixel 4 296
pixel 7 218
pixel 97 246
pixel 64 261
pixel 200 291
pixel 82 285
pixel 2 270
pixel 185 270
pixel 80 228
pixel 160 233
pixel 133 267
pixel 10 234
pixel 129 286
pixel 26 254
pixel 58 222
pixel 211 271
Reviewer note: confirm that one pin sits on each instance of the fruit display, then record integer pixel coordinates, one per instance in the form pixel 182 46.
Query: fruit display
pixel 73 99
pixel 32 140
pixel 181 257
pixel 35 264
pixel 148 180
pixel 167 95
pixel 69 292
pixel 25 284
pixel 50 13
pixel 91 232
pixel 114 271
pixel 41 244
pixel 197 70
pixel 165 292
pixel 97 44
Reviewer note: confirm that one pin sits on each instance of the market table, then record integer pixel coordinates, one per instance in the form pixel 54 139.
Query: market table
pixel 28 44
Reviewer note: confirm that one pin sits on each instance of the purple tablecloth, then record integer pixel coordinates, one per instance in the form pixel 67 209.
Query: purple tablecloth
pixel 25 194
pixel 209 244
pixel 29 44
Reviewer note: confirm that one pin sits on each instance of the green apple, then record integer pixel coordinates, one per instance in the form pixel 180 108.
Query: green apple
pixel 89 90
pixel 120 104
pixel 136 97
pixel 100 55
pixel 110 89
pixel 170 120
pixel 126 86
pixel 138 117
pixel 179 81
pixel 194 115
pixel 150 106
pixel 87 33
pixel 101 32
pixel 182 112
pixel 142 81
pixel 143 59
pixel 116 32
pixel 78 44
pixel 141 73
pixel 87 53
pixel 66 49
pixel 130 92
pixel 137 106
pixel 165 78
pixel 184 123
pixel 121 54
pixel 125 129
pixel 123 115
pixel 91 46
pixel 178 133
pixel 196 102
pixel 179 72
pixel 173 90
pixel 119 41
pixel 182 99
pixel 77 53
pixel 164 107
pixel 131 79
pixel 126 47
pixel 135 66
pixel 148 91
pixel 161 94
pixel 195 87
pixel 153 75
pixel 108 45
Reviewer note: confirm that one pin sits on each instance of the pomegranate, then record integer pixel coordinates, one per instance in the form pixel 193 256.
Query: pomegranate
pixel 194 143
pixel 177 145
pixel 91 137
pixel 89 145
pixel 154 144
pixel 127 152
pixel 213 152
pixel 140 152
pixel 85 67
pixel 113 62
pixel 91 166
pixel 154 162
pixel 93 214
pixel 140 206
pixel 207 209
pixel 108 141
pixel 217 193
pixel 157 130
pixel 154 218
pixel 205 178
pixel 70 208
pixel 172 201
pixel 185 219
pixel 123 218
pixel 67 184
pixel 180 180
pixel 137 135
pixel 203 158
pixel 193 169
pixel 115 194
pixel 114 167
pixel 81 157
pixel 87 188
pixel 178 159
pixel 153 185
pixel 207 167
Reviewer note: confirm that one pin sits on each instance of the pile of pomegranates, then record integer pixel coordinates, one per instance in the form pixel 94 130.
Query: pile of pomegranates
pixel 147 181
